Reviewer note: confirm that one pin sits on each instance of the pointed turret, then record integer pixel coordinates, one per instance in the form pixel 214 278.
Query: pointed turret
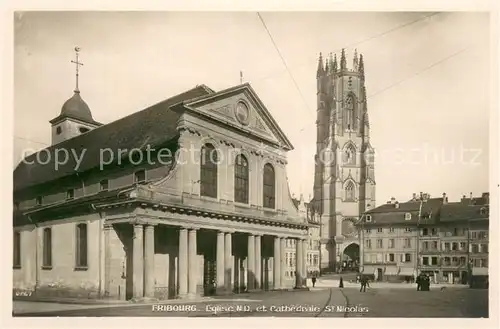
pixel 355 60
pixel 321 69
pixel 343 63
pixel 327 68
pixel 361 66
pixel 330 65
pixel 335 63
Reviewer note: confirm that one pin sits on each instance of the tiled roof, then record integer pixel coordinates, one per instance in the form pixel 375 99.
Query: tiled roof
pixel 459 211
pixel 404 206
pixel 433 211
pixel 152 126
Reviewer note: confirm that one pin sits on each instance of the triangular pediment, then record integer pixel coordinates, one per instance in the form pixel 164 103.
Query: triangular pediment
pixel 240 108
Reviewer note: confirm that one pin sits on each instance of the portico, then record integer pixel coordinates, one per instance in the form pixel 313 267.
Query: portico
pixel 209 253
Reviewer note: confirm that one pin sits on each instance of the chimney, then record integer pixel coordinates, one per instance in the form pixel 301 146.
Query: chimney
pixel 396 205
pixel 389 202
pixel 414 197
pixel 393 199
pixel 421 195
pixel 486 198
pixel 471 195
pixel 445 198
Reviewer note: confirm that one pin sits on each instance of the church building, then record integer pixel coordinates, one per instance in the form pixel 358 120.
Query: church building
pixel 187 197
pixel 344 181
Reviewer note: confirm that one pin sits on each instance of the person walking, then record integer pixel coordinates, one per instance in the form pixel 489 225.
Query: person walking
pixel 364 283
pixel 313 280
pixel 419 282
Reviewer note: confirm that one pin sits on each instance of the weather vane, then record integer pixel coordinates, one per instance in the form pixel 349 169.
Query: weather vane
pixel 77 63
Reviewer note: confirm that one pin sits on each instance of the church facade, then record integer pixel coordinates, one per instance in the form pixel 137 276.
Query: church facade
pixel 344 181
pixel 187 197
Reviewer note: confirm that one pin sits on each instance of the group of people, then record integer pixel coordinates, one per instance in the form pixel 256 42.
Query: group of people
pixel 423 282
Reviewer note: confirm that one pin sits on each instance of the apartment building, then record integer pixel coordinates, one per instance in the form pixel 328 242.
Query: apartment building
pixel 448 241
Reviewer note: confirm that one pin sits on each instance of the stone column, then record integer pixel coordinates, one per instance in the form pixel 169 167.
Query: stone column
pixel 149 261
pixel 258 263
pixel 277 263
pixel 304 262
pixel 282 262
pixel 228 262
pixel 193 264
pixel 108 228
pixel 251 263
pixel 183 262
pixel 138 262
pixel 299 265
pixel 221 270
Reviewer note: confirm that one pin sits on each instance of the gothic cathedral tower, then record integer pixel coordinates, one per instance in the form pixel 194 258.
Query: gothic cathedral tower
pixel 344 182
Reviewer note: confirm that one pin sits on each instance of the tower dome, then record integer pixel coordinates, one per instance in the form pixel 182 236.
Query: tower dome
pixel 76 108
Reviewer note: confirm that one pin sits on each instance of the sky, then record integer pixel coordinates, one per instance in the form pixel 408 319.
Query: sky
pixel 427 79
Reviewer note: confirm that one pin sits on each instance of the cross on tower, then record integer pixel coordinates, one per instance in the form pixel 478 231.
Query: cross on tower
pixel 77 63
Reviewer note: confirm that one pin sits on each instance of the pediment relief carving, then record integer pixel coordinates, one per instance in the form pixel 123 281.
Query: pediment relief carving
pixel 251 118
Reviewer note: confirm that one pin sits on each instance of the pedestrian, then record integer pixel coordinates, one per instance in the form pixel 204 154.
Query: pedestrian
pixel 426 283
pixel 341 284
pixel 419 282
pixel 314 280
pixel 364 283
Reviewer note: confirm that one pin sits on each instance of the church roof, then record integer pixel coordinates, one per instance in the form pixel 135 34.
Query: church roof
pixel 76 108
pixel 152 126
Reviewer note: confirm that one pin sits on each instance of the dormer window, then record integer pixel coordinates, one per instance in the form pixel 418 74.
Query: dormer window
pixel 407 216
pixel 368 218
pixel 482 211
pixel 140 176
pixel 59 130
pixel 70 194
pixel 39 200
pixel 104 185
pixel 83 130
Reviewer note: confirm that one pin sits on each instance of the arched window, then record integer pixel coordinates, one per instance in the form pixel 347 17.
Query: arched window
pixel 349 156
pixel 349 112
pixel 350 191
pixel 208 174
pixel 241 179
pixel 269 187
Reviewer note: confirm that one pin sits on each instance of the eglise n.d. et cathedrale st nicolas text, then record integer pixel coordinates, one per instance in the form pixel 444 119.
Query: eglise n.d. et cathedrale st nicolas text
pixel 344 182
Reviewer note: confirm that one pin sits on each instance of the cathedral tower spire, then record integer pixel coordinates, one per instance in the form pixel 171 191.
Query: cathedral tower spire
pixel 343 63
pixel 321 69
pixel 355 60
pixel 361 68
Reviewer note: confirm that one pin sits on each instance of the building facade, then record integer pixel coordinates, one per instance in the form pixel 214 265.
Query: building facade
pixel 313 241
pixel 344 181
pixel 446 240
pixel 187 197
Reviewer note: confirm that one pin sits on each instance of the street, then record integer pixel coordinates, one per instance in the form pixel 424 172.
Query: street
pixel 333 302
pixel 390 302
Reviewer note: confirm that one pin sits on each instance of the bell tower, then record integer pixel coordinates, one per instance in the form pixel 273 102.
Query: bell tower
pixel 75 118
pixel 344 181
